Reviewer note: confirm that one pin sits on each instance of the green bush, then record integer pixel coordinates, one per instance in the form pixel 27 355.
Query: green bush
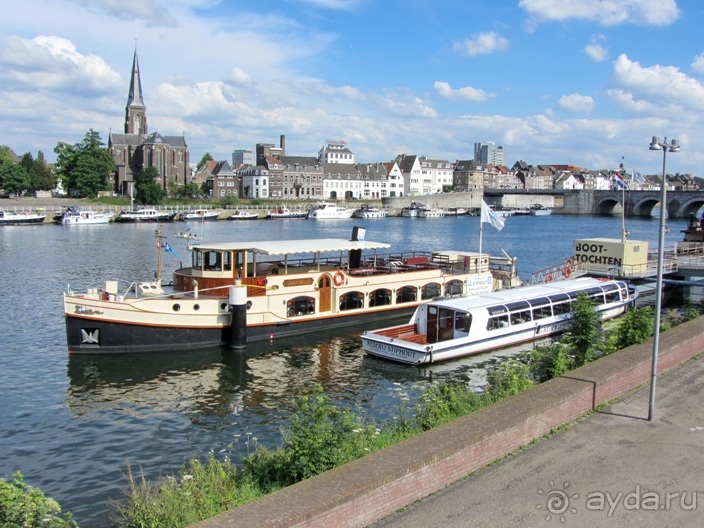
pixel 28 507
pixel 550 362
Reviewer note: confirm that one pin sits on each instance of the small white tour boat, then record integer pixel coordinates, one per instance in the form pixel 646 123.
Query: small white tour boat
pixel 243 215
pixel 145 214
pixel 539 210
pixel 10 218
pixel 367 212
pixel 74 216
pixel 291 287
pixel 431 212
pixel 450 328
pixel 413 210
pixel 330 210
pixel 284 213
pixel 200 215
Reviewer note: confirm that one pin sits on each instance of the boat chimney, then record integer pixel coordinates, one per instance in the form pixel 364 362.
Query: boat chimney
pixel 238 323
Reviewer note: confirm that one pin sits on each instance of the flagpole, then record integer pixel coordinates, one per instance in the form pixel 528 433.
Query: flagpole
pixel 479 262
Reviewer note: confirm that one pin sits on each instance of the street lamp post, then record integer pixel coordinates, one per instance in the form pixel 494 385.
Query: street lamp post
pixel 673 146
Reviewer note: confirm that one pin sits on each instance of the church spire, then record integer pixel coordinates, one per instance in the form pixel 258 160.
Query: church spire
pixel 135 96
pixel 135 111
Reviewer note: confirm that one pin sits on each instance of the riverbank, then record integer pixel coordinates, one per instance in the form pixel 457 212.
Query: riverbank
pixel 366 490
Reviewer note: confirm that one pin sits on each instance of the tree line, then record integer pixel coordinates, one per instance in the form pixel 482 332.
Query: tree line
pixel 84 169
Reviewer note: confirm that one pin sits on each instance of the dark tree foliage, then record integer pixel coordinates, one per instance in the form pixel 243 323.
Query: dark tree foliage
pixel 148 192
pixel 86 166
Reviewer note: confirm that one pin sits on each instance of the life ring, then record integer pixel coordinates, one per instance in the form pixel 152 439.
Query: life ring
pixel 548 278
pixel 567 272
pixel 339 278
pixel 262 282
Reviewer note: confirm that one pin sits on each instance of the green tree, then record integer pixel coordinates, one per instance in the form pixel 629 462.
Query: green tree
pixel 206 157
pixel 635 327
pixel 14 177
pixel 148 191
pixel 188 190
pixel 86 166
pixel 550 361
pixel 509 378
pixel 586 332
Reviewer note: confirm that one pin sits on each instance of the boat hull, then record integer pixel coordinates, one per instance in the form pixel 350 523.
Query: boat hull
pixel 16 220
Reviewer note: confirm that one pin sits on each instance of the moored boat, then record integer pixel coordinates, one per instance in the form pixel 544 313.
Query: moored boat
pixel 284 213
pixel 10 218
pixel 243 215
pixel 540 210
pixel 200 215
pixel 367 211
pixel 145 214
pixel 450 328
pixel 330 210
pixel 75 216
pixel 431 212
pixel 291 288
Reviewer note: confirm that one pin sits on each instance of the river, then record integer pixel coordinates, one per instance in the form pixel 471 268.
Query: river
pixel 71 425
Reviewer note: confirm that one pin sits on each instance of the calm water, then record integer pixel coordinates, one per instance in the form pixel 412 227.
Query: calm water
pixel 72 425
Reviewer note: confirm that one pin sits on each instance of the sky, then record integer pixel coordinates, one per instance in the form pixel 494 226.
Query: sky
pixel 581 82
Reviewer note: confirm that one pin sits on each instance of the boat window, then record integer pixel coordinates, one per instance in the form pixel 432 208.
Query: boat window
pixel 430 290
pixel 559 297
pixel 197 260
pixel 463 320
pixel 518 305
pixel 498 309
pixel 300 306
pixel 446 324
pixel 406 294
pixel 522 316
pixel 539 301
pixel 380 297
pixel 227 264
pixel 596 294
pixel 609 287
pixel 611 297
pixel 454 287
pixel 497 321
pixel 562 307
pixel 212 261
pixel 574 294
pixel 351 300
pixel 541 312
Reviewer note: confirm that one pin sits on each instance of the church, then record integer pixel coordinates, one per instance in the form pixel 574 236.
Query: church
pixel 137 149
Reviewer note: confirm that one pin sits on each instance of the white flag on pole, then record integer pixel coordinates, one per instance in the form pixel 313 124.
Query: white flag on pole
pixel 490 217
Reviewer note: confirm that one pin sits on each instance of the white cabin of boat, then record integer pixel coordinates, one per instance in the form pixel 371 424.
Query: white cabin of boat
pixel 446 329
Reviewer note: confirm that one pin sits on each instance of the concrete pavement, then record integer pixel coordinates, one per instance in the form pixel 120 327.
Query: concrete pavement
pixel 611 469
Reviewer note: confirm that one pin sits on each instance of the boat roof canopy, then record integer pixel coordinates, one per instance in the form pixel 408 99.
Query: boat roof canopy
pixel 291 247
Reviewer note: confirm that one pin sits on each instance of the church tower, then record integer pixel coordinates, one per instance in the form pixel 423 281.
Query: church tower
pixel 135 111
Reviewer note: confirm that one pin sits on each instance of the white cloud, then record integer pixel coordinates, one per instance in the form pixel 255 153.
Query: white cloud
pixel 698 64
pixel 659 85
pixel 150 12
pixel 596 51
pixel 334 4
pixel 481 44
pixel 53 63
pixel 605 12
pixel 461 94
pixel 238 77
pixel 577 103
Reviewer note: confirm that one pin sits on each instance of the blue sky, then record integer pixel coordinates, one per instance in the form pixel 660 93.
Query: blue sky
pixel 585 82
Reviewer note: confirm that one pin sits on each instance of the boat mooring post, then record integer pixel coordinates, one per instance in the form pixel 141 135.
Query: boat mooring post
pixel 238 323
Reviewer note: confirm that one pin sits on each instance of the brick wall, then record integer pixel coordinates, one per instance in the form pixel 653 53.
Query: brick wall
pixel 361 492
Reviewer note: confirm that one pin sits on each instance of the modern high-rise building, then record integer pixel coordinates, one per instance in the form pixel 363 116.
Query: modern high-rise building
pixel 243 156
pixel 489 153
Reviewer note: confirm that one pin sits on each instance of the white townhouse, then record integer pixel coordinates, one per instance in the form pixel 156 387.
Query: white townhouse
pixel 423 175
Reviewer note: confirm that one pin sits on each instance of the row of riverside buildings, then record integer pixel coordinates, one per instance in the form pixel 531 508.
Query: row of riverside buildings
pixel 268 172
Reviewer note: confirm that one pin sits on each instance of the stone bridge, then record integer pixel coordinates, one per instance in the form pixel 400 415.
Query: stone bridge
pixel 680 204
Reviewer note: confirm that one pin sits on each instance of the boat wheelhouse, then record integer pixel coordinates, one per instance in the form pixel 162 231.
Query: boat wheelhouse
pixel 450 328
pixel 292 288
